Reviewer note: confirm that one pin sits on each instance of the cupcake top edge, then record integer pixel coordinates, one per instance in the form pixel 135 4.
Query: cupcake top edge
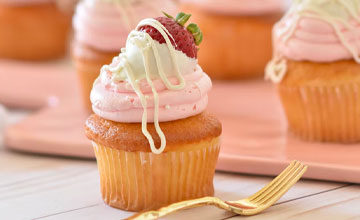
pixel 240 7
pixel 105 24
pixel 156 77
pixel 129 136
pixel 316 31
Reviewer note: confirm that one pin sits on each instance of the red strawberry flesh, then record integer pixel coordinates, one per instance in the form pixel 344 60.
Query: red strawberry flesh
pixel 184 40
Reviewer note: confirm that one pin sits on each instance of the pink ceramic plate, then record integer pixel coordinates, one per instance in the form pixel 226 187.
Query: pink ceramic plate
pixel 53 130
pixel 254 135
pixel 256 141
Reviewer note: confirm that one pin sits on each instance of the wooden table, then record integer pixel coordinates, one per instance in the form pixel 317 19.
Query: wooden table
pixel 49 188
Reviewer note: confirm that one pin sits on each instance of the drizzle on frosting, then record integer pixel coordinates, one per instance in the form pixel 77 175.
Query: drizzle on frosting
pixel 118 101
pixel 319 31
pixel 124 71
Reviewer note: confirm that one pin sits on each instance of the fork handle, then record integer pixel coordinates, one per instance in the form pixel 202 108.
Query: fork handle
pixel 179 206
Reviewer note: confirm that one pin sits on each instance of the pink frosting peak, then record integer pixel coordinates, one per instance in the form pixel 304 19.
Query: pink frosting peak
pixel 315 40
pixel 104 25
pixel 119 102
pixel 245 7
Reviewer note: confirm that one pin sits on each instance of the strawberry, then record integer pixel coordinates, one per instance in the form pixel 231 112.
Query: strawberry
pixel 186 39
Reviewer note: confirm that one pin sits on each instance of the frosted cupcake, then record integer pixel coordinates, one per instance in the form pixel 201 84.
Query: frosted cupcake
pixel 101 28
pixel 153 140
pixel 34 29
pixel 316 69
pixel 237 34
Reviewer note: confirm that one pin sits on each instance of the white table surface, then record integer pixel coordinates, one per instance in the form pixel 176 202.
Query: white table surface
pixel 49 188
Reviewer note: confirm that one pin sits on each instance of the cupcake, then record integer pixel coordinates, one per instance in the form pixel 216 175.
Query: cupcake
pixel 154 142
pixel 237 42
pixel 101 28
pixel 316 69
pixel 34 29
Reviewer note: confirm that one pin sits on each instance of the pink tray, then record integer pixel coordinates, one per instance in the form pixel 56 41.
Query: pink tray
pixel 254 134
pixel 256 141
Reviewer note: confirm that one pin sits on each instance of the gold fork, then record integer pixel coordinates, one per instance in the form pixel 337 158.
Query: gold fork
pixel 252 205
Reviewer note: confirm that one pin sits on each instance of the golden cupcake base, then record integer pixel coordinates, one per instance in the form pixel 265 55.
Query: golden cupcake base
pixel 138 181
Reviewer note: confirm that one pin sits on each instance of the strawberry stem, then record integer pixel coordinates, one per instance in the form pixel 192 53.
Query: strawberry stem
pixel 167 15
pixel 182 18
pixel 196 32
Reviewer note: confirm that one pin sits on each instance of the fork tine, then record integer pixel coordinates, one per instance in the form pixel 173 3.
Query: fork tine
pixel 281 191
pixel 279 186
pixel 276 186
pixel 275 181
pixel 280 183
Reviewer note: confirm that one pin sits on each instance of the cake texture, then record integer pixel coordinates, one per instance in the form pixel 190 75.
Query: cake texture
pixel 129 136
pixel 155 143
pixel 316 69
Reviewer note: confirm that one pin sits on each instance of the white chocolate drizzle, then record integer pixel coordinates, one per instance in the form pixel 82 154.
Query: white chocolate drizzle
pixel 147 45
pixel 334 12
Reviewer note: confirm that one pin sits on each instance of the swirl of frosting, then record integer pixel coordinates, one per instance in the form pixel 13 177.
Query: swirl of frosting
pixel 120 103
pixel 317 31
pixel 150 82
pixel 104 24
pixel 242 7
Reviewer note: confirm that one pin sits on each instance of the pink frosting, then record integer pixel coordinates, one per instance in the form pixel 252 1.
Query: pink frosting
pixel 120 103
pixel 246 7
pixel 101 24
pixel 314 40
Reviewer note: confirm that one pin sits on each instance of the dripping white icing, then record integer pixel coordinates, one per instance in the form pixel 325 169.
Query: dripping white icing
pixel 147 46
pixel 334 12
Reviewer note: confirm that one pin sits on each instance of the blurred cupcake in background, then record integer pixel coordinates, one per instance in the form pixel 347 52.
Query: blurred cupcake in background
pixel 34 29
pixel 316 68
pixel 237 35
pixel 101 29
